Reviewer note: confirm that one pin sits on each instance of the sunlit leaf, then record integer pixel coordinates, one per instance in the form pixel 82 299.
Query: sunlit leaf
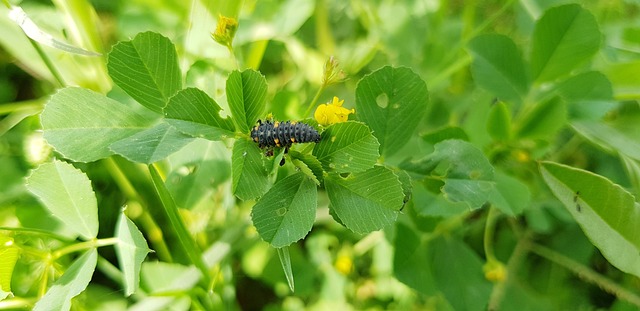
pixel 250 176
pixel 391 101
pixel 606 212
pixel 9 253
pixel 66 192
pixel 365 201
pixel 193 112
pixel 73 282
pixel 131 249
pixel 347 147
pixel 246 94
pixel 82 124
pixel 151 145
pixel 147 69
pixel 285 214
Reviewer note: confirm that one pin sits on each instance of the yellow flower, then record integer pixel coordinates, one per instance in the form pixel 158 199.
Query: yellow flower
pixel 331 113
pixel 225 30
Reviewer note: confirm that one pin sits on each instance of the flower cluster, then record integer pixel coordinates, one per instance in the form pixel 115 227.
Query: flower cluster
pixel 225 30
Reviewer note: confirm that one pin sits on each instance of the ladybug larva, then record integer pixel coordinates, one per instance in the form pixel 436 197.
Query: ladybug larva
pixel 271 134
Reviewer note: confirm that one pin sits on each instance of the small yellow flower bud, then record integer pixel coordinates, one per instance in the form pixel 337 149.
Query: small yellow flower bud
pixel 225 30
pixel 332 73
pixel 331 113
pixel 495 271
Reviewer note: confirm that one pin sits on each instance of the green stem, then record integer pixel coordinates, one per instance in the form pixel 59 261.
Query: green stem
pixel 512 267
pixel 154 233
pixel 489 232
pixel 83 246
pixel 39 232
pixel 170 209
pixel 312 104
pixel 54 72
pixel 586 273
pixel 324 37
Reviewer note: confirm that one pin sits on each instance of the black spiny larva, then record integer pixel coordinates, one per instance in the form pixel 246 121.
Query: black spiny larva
pixel 283 134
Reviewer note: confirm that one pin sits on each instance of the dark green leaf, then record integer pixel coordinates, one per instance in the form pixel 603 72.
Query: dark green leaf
pixel 606 212
pixel 82 124
pixel 193 112
pixel 308 164
pixel 499 122
pixel 465 171
pixel 511 196
pixel 588 94
pixel 448 132
pixel 347 147
pixel 564 38
pixel 544 120
pixel 391 101
pixel 147 69
pixel 246 94
pixel 365 201
pixel 285 214
pixel 250 176
pixel 412 262
pixel 151 145
pixel 498 67
pixel 458 272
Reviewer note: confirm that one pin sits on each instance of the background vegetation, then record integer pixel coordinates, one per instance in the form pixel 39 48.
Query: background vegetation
pixel 492 161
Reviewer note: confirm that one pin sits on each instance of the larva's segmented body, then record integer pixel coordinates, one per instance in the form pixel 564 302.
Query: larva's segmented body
pixel 283 134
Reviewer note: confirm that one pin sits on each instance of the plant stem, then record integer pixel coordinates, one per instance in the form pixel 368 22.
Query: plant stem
pixel 154 233
pixel 312 104
pixel 489 230
pixel 54 72
pixel 585 273
pixel 512 266
pixel 83 246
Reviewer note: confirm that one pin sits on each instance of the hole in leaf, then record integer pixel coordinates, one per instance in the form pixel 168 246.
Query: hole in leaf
pixel 382 100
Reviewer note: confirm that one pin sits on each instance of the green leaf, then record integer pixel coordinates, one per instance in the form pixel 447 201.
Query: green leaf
pixel 82 124
pixel 365 201
pixel 412 261
pixel 151 145
pixel 589 95
pixel 70 284
pixel 447 132
pixel 606 212
pixel 159 277
pixel 131 250
pixel 285 261
pixel 458 272
pixel 248 170
pixel 308 164
pixel 347 147
pixel 544 120
pixel 147 69
pixel 246 94
pixel 564 38
pixel 621 136
pixel 66 192
pixel 193 112
pixel 499 122
pixel 392 101
pixel 624 78
pixel 285 214
pixel 498 67
pixel 465 171
pixel 9 253
pixel 510 196
pixel 432 203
